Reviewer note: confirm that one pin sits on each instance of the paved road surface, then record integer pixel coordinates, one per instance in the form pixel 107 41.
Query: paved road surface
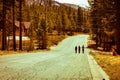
pixel 60 63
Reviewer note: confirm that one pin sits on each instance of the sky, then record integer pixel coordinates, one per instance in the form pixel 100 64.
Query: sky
pixel 82 3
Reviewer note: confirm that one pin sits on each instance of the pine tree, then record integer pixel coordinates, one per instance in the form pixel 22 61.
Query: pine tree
pixel 103 16
pixel 14 28
pixel 44 34
pixel 80 18
pixel 117 3
pixel 4 41
pixel 20 14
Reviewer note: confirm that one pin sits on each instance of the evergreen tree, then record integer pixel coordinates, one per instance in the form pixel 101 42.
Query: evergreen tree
pixel 80 18
pixel 104 23
pixel 117 3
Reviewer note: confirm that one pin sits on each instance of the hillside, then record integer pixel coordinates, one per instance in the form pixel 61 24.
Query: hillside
pixel 52 2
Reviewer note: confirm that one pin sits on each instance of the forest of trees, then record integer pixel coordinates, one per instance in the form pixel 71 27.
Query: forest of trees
pixel 44 19
pixel 8 16
pixel 105 23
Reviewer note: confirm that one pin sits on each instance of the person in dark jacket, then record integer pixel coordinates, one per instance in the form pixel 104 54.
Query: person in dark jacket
pixel 75 49
pixel 78 49
pixel 83 49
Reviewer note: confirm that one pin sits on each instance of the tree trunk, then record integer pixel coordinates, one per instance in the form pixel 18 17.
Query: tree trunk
pixel 14 28
pixel 20 41
pixel 4 41
pixel 118 25
pixel 96 39
pixel 44 41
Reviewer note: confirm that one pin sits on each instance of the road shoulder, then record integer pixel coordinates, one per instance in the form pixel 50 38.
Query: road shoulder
pixel 96 70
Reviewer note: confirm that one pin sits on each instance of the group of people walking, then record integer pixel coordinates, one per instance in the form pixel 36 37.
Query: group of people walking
pixel 78 49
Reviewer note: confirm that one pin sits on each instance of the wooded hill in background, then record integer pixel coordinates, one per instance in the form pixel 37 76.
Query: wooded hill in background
pixel 45 16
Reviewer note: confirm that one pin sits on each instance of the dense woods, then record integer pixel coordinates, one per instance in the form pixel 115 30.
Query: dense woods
pixel 105 24
pixel 44 18
pixel 102 19
pixel 9 10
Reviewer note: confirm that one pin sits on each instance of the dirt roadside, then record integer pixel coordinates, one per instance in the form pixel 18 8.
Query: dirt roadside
pixel 109 63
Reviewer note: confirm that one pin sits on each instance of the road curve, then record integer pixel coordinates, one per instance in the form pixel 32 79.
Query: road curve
pixel 61 63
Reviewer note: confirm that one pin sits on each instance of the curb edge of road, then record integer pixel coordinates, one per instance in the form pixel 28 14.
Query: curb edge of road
pixel 94 64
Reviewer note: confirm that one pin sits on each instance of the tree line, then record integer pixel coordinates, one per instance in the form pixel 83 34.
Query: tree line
pixel 10 10
pixel 44 19
pixel 105 22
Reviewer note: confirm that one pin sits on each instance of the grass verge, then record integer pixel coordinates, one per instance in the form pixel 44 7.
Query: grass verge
pixel 109 63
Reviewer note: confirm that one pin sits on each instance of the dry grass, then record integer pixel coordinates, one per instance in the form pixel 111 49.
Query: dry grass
pixel 111 64
pixel 52 40
pixel 10 52
pixel 20 52
pixel 55 39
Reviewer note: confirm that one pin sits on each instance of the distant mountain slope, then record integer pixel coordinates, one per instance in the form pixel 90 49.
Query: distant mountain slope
pixel 43 2
pixel 71 5
pixel 53 3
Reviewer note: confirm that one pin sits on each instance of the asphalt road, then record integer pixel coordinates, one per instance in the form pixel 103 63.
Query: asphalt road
pixel 61 63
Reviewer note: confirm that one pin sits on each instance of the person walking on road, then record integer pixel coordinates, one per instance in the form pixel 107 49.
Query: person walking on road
pixel 83 49
pixel 78 49
pixel 75 49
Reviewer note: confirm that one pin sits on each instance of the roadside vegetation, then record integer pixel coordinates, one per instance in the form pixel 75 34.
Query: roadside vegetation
pixel 109 63
pixel 105 24
pixel 53 40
